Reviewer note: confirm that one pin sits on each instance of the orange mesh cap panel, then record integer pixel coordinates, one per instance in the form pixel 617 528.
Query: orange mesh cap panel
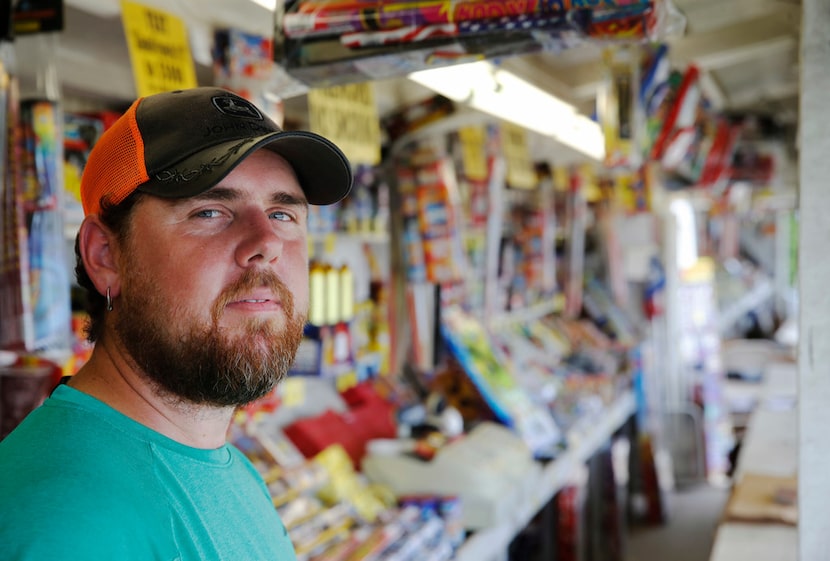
pixel 116 164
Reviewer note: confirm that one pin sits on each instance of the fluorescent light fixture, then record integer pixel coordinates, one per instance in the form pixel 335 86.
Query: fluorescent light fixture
pixel 504 95
pixel 267 4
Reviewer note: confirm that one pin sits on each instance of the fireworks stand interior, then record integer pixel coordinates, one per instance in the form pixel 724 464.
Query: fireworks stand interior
pixel 567 280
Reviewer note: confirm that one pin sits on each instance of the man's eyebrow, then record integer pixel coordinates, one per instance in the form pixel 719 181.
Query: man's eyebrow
pixel 218 194
pixel 283 198
pixel 230 194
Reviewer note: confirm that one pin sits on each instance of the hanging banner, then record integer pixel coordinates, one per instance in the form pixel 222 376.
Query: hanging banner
pixel 159 49
pixel 347 115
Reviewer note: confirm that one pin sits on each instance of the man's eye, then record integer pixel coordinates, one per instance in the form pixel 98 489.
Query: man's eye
pixel 207 213
pixel 282 216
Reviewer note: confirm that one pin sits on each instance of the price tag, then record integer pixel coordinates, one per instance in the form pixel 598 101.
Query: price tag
pixel 347 115
pixel 159 49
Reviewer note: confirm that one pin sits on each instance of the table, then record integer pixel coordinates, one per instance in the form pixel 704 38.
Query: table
pixel 770 447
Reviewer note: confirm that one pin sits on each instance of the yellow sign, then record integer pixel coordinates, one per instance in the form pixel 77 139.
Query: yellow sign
pixel 520 171
pixel 347 115
pixel 474 152
pixel 159 49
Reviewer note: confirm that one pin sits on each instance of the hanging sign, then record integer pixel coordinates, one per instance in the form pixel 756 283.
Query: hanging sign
pixel 474 152
pixel 347 115
pixel 32 17
pixel 520 171
pixel 159 50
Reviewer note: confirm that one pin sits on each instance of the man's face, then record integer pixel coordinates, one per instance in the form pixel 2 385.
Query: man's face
pixel 214 291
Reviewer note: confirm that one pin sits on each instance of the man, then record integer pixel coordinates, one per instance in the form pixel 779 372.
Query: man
pixel 194 254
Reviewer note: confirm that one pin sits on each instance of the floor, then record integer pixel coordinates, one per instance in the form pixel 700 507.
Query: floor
pixel 688 535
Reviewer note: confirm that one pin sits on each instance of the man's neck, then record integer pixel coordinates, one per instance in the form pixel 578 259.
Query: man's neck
pixel 109 377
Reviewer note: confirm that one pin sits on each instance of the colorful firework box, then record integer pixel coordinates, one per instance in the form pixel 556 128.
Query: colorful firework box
pixel 310 18
pixel 328 42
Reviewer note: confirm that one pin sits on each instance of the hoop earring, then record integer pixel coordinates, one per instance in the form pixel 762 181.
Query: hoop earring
pixel 109 300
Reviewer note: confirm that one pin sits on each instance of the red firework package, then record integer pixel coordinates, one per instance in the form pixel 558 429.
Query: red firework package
pixel 717 165
pixel 682 114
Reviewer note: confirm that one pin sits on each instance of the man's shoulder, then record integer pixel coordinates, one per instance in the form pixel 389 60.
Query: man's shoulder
pixel 49 509
pixel 55 485
pixel 64 436
pixel 56 459
pixel 51 529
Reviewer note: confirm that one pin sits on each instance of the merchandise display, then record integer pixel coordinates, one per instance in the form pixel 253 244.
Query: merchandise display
pixel 510 403
pixel 43 186
pixel 332 512
pixel 16 319
pixel 432 209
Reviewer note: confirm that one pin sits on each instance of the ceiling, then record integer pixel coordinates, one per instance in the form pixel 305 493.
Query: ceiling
pixel 748 54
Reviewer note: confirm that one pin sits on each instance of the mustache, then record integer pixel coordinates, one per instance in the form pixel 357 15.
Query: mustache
pixel 252 279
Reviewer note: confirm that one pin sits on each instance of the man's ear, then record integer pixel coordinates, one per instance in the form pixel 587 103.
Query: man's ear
pixel 98 248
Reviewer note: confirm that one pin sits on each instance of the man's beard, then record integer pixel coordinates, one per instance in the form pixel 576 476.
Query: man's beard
pixel 204 364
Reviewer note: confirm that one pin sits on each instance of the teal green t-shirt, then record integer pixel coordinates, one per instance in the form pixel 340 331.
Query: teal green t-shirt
pixel 80 481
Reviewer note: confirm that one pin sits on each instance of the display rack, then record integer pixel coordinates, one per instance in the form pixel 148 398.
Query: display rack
pixel 492 543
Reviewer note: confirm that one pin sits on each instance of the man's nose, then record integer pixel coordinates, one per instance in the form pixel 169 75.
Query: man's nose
pixel 260 243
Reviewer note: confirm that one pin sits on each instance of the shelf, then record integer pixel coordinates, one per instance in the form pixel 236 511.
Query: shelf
pixel 492 543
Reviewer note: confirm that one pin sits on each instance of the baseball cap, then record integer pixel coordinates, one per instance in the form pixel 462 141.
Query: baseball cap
pixel 179 144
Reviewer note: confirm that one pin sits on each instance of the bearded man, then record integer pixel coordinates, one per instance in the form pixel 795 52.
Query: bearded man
pixel 194 254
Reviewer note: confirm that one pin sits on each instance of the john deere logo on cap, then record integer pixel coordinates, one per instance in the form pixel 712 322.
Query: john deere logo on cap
pixel 236 107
